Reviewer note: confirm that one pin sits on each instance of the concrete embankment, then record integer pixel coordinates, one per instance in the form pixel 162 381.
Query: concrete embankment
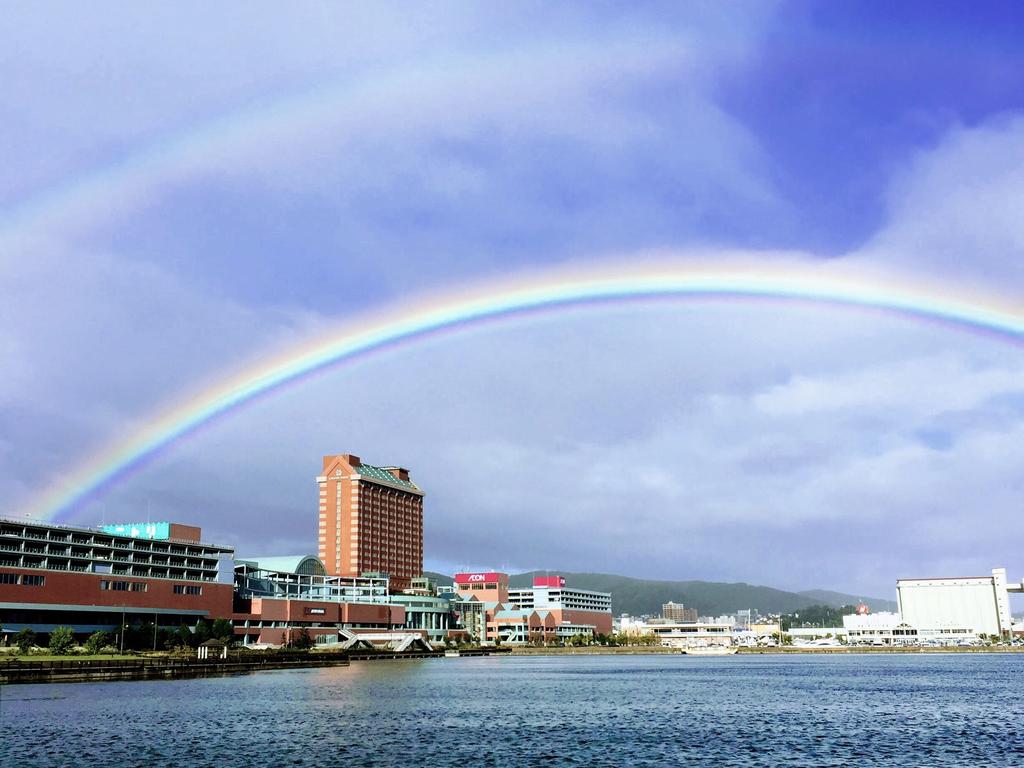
pixel 72 670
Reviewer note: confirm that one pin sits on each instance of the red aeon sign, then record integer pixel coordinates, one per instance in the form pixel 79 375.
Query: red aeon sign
pixel 477 578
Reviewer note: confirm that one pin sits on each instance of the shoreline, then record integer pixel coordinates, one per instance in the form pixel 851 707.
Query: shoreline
pixel 25 670
pixel 786 650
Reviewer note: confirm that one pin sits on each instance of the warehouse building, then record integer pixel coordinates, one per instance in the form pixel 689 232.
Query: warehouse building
pixel 969 605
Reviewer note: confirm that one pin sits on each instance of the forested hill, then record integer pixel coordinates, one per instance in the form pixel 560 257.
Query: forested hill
pixel 644 596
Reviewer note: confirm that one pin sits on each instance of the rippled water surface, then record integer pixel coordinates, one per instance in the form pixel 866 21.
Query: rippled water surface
pixel 934 710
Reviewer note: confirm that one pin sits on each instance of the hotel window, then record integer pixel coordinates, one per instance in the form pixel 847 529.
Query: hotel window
pixel 138 586
pixel 32 581
pixel 8 578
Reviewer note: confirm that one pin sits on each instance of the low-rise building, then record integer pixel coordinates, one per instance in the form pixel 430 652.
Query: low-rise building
pixel 883 628
pixel 278 599
pixel 676 634
pixel 428 614
pixel 101 579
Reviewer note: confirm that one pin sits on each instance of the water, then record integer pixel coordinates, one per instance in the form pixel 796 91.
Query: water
pixel 900 710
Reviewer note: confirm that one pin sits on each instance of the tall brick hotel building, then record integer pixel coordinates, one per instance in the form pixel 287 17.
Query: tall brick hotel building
pixel 371 520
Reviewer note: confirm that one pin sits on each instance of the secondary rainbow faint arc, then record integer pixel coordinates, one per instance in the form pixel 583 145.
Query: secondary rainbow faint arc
pixel 544 293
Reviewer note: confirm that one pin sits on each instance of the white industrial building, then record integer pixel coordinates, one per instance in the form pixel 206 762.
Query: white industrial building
pixel 945 611
pixel 962 606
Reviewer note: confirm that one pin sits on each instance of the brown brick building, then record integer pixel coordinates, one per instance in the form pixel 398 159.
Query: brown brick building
pixel 371 520
pixel 90 579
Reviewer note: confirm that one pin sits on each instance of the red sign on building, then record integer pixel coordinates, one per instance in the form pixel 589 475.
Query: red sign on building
pixel 477 578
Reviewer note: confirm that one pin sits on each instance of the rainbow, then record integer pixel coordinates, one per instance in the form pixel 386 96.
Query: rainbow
pixel 771 278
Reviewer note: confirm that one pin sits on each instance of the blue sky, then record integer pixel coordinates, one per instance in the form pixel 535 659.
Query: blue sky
pixel 187 190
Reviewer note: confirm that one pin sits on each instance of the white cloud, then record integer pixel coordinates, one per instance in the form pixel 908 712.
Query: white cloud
pixel 918 387
pixel 954 210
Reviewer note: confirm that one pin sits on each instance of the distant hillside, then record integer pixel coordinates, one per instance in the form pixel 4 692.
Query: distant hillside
pixel 839 599
pixel 642 596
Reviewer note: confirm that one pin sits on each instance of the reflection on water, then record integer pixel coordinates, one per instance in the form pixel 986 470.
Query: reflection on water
pixel 935 710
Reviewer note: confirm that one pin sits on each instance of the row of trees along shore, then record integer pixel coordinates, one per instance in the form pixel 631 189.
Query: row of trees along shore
pixel 141 637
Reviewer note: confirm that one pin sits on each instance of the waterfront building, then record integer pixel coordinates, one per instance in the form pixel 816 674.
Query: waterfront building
pixel 882 628
pixel 277 598
pixel 304 577
pixel 550 593
pixel 545 612
pixel 277 621
pixel 428 614
pixel 678 612
pixel 97 579
pixel 370 520
pixel 678 634
pixel 486 586
pixel 470 615
pixel 972 605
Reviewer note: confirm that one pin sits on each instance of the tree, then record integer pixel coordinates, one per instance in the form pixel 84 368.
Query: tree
pixel 184 637
pixel 61 640
pixel 138 637
pixel 202 633
pixel 25 639
pixel 303 642
pixel 96 642
pixel 223 630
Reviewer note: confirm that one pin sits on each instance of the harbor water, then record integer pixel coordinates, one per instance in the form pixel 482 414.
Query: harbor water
pixel 771 710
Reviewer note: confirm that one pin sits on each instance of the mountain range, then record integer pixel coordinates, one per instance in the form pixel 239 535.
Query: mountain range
pixel 711 598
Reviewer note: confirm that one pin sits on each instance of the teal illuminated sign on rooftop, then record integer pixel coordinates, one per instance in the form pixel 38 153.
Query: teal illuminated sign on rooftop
pixel 159 531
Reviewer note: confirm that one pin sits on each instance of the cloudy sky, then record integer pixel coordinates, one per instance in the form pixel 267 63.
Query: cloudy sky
pixel 187 190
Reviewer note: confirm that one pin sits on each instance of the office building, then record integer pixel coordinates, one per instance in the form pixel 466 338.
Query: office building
pixel 370 520
pixel 678 612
